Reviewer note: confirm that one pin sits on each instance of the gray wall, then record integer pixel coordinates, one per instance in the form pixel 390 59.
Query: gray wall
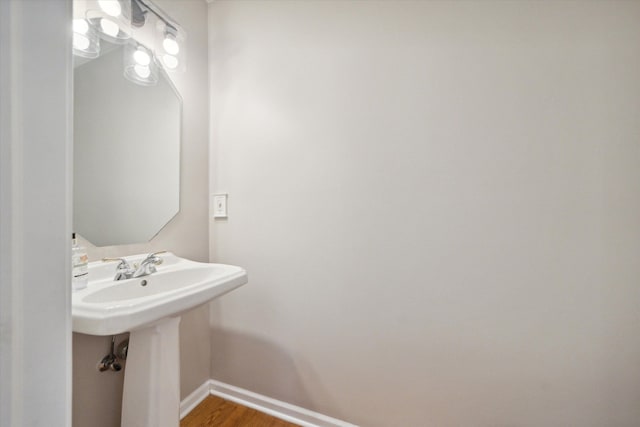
pixel 437 204
pixel 97 396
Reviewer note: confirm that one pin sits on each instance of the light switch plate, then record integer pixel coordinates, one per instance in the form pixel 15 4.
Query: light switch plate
pixel 220 205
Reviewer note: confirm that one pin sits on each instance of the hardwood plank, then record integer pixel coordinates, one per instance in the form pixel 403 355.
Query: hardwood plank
pixel 217 412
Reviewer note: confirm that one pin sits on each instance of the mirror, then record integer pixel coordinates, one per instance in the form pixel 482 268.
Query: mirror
pixel 126 152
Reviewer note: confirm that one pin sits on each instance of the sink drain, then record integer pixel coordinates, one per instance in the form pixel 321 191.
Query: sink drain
pixel 143 283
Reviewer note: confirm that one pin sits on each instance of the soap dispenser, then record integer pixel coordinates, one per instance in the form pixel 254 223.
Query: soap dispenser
pixel 79 265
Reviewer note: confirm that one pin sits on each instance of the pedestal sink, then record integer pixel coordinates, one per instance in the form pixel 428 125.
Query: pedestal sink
pixel 149 307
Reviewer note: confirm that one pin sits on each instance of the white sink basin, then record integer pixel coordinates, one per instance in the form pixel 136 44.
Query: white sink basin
pixel 108 307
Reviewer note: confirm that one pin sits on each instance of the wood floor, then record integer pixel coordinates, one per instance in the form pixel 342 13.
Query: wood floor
pixel 214 412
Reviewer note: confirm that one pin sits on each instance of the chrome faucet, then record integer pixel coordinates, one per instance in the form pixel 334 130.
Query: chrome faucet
pixel 123 270
pixel 148 266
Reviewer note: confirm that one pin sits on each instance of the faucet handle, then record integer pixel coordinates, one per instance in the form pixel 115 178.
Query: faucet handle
pixel 157 253
pixel 155 258
pixel 123 270
pixel 148 265
pixel 123 262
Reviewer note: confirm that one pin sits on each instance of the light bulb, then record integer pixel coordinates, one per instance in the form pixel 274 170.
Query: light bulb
pixel 109 27
pixel 143 71
pixel 170 45
pixel 170 61
pixel 141 57
pixel 110 7
pixel 80 26
pixel 80 41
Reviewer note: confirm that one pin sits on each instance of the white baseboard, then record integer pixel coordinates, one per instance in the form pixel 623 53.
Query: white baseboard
pixel 194 399
pixel 276 408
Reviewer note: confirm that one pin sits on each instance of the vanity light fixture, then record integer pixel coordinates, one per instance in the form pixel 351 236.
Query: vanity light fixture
pixel 170 39
pixel 115 21
pixel 142 56
pixel 111 19
pixel 170 44
pixel 138 65
pixel 108 27
pixel 171 54
pixel 170 62
pixel 110 7
pixel 86 42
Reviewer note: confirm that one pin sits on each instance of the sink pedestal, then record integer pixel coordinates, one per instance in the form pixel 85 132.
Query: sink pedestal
pixel 151 396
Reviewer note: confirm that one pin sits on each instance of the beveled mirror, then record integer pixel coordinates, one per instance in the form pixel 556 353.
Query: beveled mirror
pixel 126 152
